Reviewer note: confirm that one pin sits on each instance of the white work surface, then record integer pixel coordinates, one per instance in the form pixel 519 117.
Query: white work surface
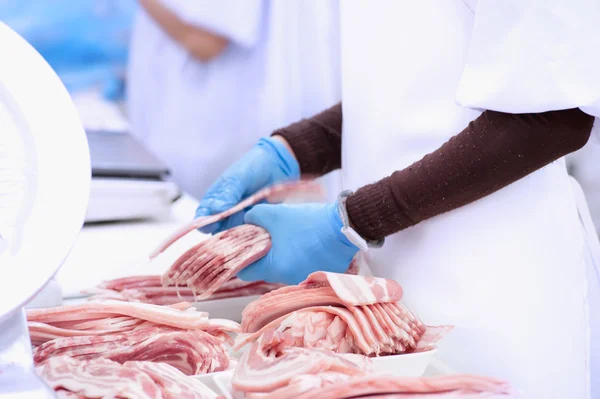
pixel 107 251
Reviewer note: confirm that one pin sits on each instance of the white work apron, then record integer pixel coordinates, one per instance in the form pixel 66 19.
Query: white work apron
pixel 508 271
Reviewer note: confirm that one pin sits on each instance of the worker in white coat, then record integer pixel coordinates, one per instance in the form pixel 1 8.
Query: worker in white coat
pixel 456 119
pixel 208 78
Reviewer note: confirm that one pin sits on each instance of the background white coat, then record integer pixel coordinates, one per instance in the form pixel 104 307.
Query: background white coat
pixel 516 272
pixel 282 65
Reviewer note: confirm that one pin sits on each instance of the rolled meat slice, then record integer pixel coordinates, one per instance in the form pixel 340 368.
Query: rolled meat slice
pixel 121 331
pixel 102 378
pixel 273 194
pixel 214 262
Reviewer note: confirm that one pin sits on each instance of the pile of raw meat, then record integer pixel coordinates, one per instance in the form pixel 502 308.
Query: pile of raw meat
pixel 317 339
pixel 341 313
pixel 298 190
pixel 205 267
pixel 315 373
pixel 150 289
pixel 102 378
pixel 208 270
pixel 314 340
pixel 178 335
pixel 208 265
pixel 138 338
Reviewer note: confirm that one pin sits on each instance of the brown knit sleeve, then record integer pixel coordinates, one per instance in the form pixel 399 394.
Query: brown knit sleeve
pixel 495 150
pixel 317 141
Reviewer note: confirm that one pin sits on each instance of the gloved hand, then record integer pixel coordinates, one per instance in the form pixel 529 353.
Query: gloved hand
pixel 268 162
pixel 305 238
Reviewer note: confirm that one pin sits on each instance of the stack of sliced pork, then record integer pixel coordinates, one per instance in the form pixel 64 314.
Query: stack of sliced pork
pixel 103 378
pixel 150 289
pixel 178 335
pixel 262 372
pixel 315 373
pixel 213 262
pixel 208 270
pixel 313 340
pixel 298 190
pixel 341 313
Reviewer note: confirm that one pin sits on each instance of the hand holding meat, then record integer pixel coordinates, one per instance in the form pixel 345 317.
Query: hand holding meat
pixel 268 162
pixel 305 238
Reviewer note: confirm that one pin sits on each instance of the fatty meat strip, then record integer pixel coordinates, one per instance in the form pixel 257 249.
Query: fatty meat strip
pixel 210 264
pixel 345 330
pixel 149 289
pixel 437 395
pixel 122 331
pixel 459 386
pixel 321 289
pixel 173 384
pixel 340 313
pixel 275 193
pixel 385 386
pixel 260 372
pixel 313 373
pixel 102 378
pixel 94 310
pixel 154 282
pixel 192 352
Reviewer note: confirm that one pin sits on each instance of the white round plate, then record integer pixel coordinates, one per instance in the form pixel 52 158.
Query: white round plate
pixel 45 172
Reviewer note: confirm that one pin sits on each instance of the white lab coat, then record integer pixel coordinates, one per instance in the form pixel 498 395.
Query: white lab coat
pixel 282 65
pixel 515 272
pixel 584 165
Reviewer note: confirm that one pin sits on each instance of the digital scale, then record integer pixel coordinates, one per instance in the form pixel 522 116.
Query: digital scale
pixel 128 182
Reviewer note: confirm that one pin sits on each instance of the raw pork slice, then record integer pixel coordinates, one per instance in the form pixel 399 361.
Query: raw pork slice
pixel 258 372
pixel 460 385
pixel 149 289
pixel 207 266
pixel 210 264
pixel 275 193
pixel 321 289
pixel 312 373
pixel 102 378
pixel 341 313
pixel 121 331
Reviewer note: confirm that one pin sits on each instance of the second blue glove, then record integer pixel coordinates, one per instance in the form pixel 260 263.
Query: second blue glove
pixel 305 238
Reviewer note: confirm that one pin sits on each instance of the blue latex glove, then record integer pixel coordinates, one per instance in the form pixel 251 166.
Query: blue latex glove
pixel 266 163
pixel 305 238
